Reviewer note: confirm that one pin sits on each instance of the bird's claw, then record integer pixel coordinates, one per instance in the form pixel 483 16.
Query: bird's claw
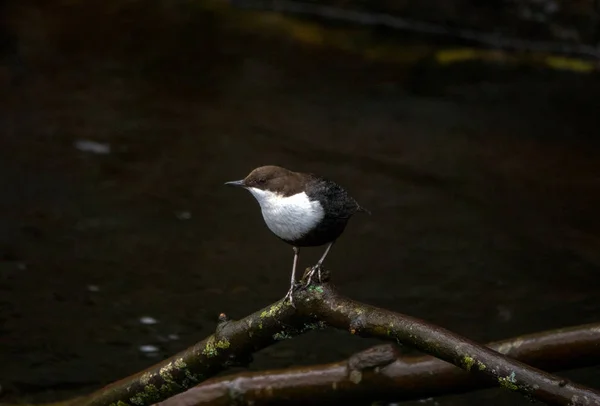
pixel 311 273
pixel 289 295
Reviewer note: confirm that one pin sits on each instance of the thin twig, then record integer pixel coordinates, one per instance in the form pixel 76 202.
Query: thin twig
pixel 492 40
pixel 318 306
pixel 407 378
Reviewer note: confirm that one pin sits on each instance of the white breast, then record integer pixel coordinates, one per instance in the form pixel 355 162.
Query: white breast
pixel 289 217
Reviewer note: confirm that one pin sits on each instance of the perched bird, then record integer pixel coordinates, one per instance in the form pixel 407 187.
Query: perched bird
pixel 302 209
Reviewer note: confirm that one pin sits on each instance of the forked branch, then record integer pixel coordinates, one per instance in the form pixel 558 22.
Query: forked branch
pixel 406 378
pixel 319 306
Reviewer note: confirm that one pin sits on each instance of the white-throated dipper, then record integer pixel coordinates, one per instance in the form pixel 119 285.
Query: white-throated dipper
pixel 302 209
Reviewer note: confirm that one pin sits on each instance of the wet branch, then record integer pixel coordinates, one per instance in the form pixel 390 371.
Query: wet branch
pixel 319 306
pixel 406 378
pixel 232 344
pixel 361 17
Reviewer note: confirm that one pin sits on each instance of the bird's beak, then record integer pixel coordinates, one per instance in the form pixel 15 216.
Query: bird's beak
pixel 238 183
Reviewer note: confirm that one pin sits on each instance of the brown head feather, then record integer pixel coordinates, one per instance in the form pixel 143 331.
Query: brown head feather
pixel 275 179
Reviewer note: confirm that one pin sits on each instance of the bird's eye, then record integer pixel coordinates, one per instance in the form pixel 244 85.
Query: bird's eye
pixel 260 181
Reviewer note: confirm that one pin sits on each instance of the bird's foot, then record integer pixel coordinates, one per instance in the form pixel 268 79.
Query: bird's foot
pixel 290 293
pixel 315 269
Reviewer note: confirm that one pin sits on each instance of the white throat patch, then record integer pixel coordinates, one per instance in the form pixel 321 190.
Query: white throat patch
pixel 290 217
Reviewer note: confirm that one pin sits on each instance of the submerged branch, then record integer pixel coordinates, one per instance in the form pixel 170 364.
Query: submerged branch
pixel 492 40
pixel 407 378
pixel 318 306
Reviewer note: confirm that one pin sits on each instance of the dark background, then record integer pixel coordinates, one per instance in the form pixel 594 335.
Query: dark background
pixel 483 178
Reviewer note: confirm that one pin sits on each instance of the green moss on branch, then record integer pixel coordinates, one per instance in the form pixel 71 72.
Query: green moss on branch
pixel 319 306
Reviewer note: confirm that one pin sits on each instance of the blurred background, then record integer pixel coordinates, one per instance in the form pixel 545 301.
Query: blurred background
pixel 120 121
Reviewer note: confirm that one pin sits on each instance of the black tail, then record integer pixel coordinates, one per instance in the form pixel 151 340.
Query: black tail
pixel 363 210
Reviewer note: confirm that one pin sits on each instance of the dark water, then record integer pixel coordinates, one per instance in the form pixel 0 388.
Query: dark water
pixel 483 183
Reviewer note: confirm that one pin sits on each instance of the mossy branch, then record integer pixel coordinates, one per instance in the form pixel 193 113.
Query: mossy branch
pixel 319 306
pixel 406 378
pixel 232 343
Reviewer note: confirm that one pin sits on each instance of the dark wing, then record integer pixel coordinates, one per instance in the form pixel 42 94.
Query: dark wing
pixel 339 202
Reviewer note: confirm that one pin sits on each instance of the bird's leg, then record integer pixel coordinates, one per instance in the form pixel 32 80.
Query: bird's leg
pixel 293 279
pixel 317 267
